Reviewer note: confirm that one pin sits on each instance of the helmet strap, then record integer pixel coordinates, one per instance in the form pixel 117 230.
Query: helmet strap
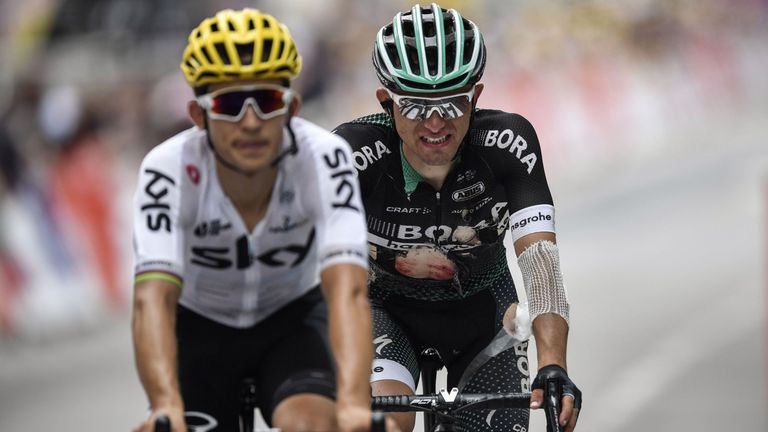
pixel 292 148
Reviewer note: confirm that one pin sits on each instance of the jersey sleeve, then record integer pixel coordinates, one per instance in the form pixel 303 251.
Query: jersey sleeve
pixel 158 245
pixel 335 202
pixel 367 137
pixel 511 147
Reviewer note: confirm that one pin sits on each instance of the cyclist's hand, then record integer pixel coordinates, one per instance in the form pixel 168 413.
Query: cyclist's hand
pixel 571 395
pixel 176 415
pixel 358 419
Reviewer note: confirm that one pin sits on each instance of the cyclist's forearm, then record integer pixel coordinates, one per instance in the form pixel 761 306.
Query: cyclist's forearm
pixel 154 340
pixel 350 332
pixel 551 334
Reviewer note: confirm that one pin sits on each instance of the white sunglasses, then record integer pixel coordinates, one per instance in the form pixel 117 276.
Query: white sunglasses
pixel 448 107
pixel 230 103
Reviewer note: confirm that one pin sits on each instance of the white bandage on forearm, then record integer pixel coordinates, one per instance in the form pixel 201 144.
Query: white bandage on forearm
pixel 543 280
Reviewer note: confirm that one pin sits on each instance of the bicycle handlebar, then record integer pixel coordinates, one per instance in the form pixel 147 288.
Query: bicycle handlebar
pixel 459 402
pixel 552 408
pixel 444 402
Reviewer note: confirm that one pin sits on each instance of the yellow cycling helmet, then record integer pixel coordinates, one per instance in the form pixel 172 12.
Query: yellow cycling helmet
pixel 237 45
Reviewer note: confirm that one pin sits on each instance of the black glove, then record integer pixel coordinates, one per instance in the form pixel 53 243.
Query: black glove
pixel 559 375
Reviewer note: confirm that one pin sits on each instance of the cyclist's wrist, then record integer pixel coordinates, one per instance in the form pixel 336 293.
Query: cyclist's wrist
pixel 171 400
pixel 352 403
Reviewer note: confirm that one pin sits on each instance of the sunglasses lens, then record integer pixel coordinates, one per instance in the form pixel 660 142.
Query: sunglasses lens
pixel 231 104
pixel 448 108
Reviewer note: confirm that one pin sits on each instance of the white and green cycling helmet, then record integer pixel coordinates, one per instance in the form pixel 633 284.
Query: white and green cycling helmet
pixel 429 50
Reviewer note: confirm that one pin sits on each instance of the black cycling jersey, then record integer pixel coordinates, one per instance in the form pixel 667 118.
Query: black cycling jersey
pixel 439 272
pixel 497 182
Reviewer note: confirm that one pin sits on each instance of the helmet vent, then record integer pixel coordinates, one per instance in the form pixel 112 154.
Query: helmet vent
pixel 204 50
pixel 450 54
pixel 413 59
pixel 392 55
pixel 408 30
pixel 221 50
pixel 468 45
pixel 266 50
pixel 265 23
pixel 432 53
pixel 251 24
pixel 430 30
pixel 245 52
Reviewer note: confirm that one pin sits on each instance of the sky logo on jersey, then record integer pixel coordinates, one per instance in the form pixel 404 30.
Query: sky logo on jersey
pixel 367 155
pixel 279 257
pixel 468 192
pixel 220 257
pixel 506 139
pixel 344 177
pixel 157 209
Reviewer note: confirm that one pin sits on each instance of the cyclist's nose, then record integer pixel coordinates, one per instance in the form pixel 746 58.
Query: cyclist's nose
pixel 251 119
pixel 434 122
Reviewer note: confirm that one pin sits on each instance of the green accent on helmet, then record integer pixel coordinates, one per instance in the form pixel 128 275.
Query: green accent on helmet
pixel 429 50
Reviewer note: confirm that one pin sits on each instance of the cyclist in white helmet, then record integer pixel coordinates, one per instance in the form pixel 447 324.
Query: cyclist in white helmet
pixel 250 248
pixel 442 183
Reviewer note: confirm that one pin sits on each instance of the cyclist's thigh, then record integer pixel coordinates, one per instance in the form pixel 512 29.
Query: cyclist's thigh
pixel 300 360
pixel 505 373
pixel 209 365
pixel 394 355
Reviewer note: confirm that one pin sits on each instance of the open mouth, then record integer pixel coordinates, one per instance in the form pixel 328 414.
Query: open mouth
pixel 434 140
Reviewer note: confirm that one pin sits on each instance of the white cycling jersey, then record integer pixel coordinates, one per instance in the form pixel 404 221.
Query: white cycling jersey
pixel 185 226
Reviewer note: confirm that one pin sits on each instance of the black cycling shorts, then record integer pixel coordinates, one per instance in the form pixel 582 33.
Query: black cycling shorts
pixel 286 354
pixel 459 329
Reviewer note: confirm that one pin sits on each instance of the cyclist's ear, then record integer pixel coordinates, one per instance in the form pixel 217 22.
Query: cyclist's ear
pixel 196 113
pixel 384 100
pixel 295 105
pixel 478 91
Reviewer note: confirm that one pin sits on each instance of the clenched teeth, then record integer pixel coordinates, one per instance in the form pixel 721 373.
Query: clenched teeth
pixel 435 140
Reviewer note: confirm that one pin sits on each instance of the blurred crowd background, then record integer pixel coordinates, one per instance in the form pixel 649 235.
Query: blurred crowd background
pixel 87 87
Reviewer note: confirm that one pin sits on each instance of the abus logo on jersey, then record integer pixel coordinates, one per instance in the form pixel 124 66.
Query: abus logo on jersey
pixel 468 192
pixel 157 208
pixel 344 178
pixel 516 144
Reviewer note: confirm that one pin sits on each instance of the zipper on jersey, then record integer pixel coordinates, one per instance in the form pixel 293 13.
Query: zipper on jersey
pixel 438 215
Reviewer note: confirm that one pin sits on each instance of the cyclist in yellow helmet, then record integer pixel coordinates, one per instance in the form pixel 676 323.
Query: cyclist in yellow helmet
pixel 250 249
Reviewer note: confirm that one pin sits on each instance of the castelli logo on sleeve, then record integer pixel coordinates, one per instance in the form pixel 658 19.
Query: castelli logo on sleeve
pixel 193 173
